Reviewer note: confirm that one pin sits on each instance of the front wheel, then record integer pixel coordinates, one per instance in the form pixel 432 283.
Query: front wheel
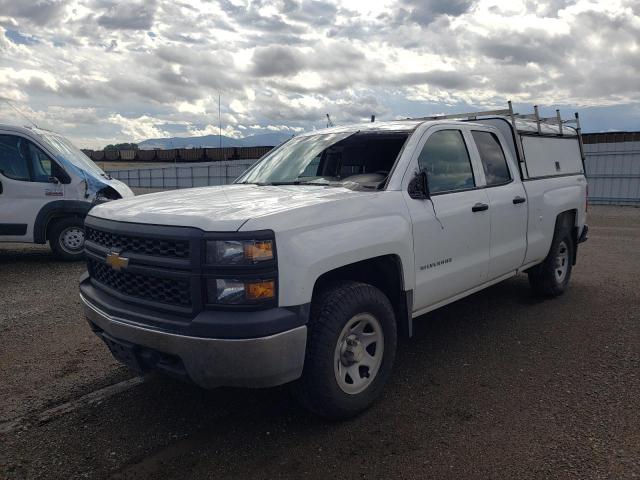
pixel 350 350
pixel 66 239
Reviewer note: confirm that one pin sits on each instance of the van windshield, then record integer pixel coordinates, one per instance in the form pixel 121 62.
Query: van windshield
pixel 65 149
pixel 348 159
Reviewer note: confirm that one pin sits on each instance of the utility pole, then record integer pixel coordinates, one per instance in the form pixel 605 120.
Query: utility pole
pixel 219 121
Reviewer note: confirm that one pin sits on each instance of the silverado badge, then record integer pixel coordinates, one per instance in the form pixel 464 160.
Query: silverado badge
pixel 115 261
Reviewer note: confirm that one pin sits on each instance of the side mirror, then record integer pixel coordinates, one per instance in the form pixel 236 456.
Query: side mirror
pixel 54 180
pixel 419 187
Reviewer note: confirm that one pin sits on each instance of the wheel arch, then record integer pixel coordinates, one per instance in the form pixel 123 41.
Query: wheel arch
pixel 568 219
pixel 54 210
pixel 383 272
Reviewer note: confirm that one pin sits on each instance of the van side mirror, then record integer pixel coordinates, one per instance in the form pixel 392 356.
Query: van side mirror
pixel 59 174
pixel 54 180
pixel 419 187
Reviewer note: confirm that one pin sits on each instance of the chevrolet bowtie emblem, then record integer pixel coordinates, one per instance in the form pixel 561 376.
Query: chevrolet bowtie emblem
pixel 115 261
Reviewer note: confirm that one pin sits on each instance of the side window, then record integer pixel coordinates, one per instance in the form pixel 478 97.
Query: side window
pixel 22 160
pixel 494 162
pixel 446 160
pixel 13 158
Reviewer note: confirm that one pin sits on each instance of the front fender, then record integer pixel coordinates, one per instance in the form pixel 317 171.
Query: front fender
pixel 304 256
pixel 314 239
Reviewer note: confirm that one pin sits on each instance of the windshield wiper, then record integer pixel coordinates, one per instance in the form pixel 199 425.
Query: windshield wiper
pixel 293 182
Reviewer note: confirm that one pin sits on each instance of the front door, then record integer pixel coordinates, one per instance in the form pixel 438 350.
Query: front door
pixel 25 187
pixel 451 231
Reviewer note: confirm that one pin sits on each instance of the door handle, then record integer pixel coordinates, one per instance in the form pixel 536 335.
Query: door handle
pixel 480 207
pixel 518 200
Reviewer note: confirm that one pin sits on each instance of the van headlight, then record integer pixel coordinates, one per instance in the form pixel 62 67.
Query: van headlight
pixel 106 194
pixel 238 252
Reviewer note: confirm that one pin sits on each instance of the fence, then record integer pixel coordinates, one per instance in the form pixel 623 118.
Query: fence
pixel 613 168
pixel 143 180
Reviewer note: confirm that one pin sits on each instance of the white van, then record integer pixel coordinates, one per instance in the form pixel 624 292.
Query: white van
pixel 47 187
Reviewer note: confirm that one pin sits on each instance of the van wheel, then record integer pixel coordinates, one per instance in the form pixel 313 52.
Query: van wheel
pixel 350 350
pixel 66 239
pixel 551 277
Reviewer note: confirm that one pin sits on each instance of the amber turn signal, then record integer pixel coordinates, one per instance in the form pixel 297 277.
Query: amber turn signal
pixel 259 250
pixel 263 290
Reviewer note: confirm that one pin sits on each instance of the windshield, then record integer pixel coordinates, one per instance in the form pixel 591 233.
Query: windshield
pixel 64 148
pixel 351 159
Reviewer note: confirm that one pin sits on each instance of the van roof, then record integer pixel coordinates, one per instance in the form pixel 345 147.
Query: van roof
pixel 16 128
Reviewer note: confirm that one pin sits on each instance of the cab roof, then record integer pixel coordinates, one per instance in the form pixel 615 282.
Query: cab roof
pixel 391 126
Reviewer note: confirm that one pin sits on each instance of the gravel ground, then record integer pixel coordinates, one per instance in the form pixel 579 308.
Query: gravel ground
pixel 498 385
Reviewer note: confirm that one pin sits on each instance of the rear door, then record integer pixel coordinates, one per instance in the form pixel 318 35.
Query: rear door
pixel 451 230
pixel 24 186
pixel 507 199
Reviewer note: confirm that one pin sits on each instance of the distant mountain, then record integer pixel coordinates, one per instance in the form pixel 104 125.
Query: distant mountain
pixel 265 139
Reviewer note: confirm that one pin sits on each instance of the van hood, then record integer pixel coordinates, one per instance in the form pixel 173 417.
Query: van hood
pixel 219 209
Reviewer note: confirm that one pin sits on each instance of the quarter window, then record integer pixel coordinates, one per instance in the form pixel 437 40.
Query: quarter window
pixel 494 162
pixel 446 160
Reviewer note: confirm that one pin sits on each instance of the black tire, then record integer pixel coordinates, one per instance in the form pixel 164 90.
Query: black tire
pixel 334 310
pixel 545 278
pixel 71 229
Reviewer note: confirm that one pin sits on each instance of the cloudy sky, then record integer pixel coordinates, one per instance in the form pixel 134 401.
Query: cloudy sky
pixel 101 71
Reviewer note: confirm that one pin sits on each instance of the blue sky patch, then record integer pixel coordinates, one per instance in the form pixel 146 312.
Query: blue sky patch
pixel 20 38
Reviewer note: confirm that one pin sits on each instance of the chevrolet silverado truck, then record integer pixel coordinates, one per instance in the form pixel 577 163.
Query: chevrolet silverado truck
pixel 310 266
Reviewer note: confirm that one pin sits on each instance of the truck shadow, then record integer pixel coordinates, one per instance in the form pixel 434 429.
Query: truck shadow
pixel 164 423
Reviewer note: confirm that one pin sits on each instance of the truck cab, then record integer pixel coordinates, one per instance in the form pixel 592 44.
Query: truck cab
pixel 47 186
pixel 308 269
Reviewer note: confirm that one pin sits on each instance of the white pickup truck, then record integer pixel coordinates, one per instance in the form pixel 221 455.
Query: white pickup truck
pixel 310 266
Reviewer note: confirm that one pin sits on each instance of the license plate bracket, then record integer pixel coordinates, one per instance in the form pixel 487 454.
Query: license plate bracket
pixel 124 352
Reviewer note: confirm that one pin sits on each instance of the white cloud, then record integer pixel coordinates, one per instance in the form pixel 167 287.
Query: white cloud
pixel 140 128
pixel 100 70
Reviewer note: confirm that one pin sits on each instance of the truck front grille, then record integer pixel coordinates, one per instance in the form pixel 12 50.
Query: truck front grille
pixel 145 287
pixel 141 245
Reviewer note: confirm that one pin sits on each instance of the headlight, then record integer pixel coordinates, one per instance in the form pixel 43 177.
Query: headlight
pixel 106 194
pixel 240 292
pixel 238 252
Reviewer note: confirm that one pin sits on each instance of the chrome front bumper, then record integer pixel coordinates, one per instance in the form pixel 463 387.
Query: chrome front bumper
pixel 210 362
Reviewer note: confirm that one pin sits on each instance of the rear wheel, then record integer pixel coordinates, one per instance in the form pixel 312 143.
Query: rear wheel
pixel 350 350
pixel 66 239
pixel 551 277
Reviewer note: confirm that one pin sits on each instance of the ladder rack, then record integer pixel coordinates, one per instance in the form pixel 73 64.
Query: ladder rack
pixel 513 116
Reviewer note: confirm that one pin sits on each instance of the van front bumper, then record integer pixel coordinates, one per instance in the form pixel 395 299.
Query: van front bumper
pixel 264 361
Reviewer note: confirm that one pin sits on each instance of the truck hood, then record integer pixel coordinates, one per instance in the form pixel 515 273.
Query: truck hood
pixel 219 209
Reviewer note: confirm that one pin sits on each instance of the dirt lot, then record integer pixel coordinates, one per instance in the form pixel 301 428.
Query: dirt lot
pixel 499 385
